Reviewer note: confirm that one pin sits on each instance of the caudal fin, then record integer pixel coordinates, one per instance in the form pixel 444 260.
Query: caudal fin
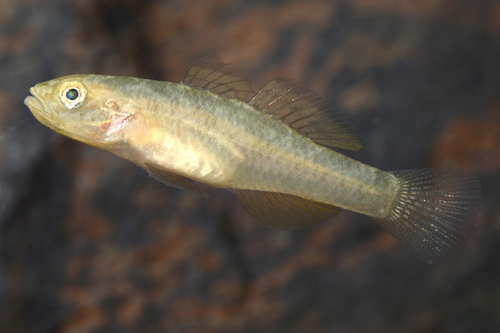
pixel 433 213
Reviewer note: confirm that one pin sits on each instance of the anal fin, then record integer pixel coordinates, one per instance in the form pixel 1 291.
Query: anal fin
pixel 284 211
pixel 172 179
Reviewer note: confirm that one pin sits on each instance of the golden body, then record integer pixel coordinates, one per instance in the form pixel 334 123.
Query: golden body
pixel 201 131
pixel 228 143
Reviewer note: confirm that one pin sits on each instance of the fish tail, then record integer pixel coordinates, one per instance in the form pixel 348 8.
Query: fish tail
pixel 433 212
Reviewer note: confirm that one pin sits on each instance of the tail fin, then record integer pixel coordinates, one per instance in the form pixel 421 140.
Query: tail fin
pixel 433 213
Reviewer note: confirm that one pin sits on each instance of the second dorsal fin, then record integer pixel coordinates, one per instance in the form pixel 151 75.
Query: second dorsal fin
pixel 306 112
pixel 284 211
pixel 218 77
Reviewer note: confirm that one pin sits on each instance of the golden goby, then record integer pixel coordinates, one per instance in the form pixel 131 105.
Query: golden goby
pixel 271 148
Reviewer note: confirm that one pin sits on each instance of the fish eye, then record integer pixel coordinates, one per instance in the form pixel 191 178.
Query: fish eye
pixel 72 94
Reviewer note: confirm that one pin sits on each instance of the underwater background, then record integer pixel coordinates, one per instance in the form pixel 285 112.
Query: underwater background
pixel 90 243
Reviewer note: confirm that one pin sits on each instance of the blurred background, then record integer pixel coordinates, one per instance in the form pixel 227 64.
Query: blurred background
pixel 90 243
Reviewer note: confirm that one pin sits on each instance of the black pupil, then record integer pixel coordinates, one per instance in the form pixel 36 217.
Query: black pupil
pixel 72 94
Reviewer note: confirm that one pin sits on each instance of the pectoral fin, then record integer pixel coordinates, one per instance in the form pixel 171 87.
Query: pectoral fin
pixel 284 211
pixel 172 179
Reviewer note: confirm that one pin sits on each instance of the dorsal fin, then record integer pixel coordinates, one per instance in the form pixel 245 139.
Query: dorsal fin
pixel 284 211
pixel 218 77
pixel 172 179
pixel 306 112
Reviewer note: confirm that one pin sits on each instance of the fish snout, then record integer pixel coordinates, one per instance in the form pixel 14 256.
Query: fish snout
pixel 37 106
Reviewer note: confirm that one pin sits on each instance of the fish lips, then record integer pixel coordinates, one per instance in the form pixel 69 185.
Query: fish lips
pixel 37 107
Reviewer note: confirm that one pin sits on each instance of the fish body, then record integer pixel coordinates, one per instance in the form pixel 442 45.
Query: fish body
pixel 273 151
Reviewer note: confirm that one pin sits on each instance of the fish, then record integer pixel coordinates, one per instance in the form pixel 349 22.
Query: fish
pixel 276 149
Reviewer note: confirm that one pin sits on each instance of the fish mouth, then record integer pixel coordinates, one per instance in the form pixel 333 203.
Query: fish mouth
pixel 37 107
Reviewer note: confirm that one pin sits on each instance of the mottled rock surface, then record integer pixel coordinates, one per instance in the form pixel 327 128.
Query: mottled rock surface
pixel 90 243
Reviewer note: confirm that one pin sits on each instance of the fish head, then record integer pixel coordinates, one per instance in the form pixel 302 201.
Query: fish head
pixel 87 108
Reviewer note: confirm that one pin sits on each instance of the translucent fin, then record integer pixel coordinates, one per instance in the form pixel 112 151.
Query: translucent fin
pixel 220 78
pixel 171 179
pixel 433 213
pixel 307 113
pixel 284 211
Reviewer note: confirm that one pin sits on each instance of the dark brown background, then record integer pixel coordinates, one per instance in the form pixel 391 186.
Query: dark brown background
pixel 90 243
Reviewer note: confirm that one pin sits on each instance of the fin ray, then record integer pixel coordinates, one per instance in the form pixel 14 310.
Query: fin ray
pixel 306 112
pixel 174 180
pixel 433 213
pixel 284 211
pixel 218 77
